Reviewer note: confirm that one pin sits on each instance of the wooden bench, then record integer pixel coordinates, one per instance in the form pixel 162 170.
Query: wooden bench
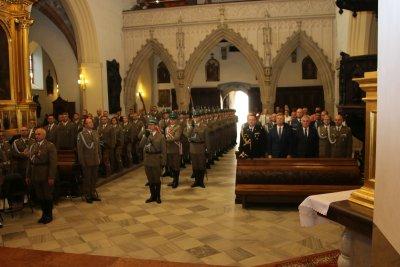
pixel 292 180
pixel 68 173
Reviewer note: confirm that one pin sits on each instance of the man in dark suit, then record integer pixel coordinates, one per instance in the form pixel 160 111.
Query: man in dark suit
pixel 280 139
pixel 252 138
pixel 51 129
pixel 296 123
pixel 306 139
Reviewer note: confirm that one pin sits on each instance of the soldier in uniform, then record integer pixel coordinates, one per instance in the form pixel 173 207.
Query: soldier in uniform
pixel 164 122
pixel 185 142
pixel 127 146
pixel 341 139
pixel 137 126
pixel 20 152
pixel 173 134
pixel 96 119
pixel 88 156
pixel 107 138
pixel 31 129
pixel 78 122
pixel 323 134
pixel 154 150
pixel 119 142
pixel 66 134
pixel 253 139
pixel 51 130
pixel 41 172
pixel 196 133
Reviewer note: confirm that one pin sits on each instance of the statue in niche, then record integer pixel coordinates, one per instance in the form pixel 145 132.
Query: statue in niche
pixel 212 70
pixel 49 84
pixel 163 75
pixel 6 121
pixel 114 85
pixel 5 90
pixel 309 69
pixel 38 106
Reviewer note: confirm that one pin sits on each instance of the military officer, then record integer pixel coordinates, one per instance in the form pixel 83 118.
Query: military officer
pixel 41 172
pixel 196 133
pixel 77 122
pixel 20 152
pixel 51 129
pixel 323 134
pixel 66 134
pixel 341 139
pixel 252 139
pixel 88 156
pixel 32 127
pixel 173 134
pixel 127 146
pixel 163 123
pixel 107 138
pixel 135 137
pixel 154 150
pixel 119 142
pixel 185 142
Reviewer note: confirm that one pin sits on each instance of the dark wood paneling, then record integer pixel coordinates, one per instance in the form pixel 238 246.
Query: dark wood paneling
pixel 304 96
pixel 206 97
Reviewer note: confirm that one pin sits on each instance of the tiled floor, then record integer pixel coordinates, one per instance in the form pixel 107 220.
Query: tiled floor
pixel 191 225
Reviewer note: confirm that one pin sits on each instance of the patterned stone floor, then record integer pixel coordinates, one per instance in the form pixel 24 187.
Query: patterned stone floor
pixel 191 225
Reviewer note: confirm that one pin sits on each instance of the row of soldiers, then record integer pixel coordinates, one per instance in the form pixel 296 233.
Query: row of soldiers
pixel 303 137
pixel 202 139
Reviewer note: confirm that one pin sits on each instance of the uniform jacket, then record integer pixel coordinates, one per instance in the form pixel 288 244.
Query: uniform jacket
pixel 66 135
pixel 258 139
pixel 324 144
pixel 107 135
pixel 342 142
pixel 197 138
pixel 127 132
pixel 154 150
pixel 42 161
pixel 136 128
pixel 51 133
pixel 19 158
pixel 88 148
pixel 173 139
pixel 119 135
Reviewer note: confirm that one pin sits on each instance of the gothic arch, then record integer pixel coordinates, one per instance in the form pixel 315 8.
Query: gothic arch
pixel 84 28
pixel 325 71
pixel 204 48
pixel 152 47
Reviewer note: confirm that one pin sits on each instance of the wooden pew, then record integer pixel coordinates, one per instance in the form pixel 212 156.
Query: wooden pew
pixel 291 180
pixel 68 173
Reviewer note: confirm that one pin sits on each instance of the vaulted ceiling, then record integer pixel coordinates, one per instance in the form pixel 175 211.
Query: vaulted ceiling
pixel 55 11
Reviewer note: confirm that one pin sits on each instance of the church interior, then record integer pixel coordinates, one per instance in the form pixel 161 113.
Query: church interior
pixel 105 102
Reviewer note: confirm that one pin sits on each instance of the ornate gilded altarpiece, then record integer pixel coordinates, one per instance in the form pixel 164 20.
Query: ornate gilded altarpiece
pixel 16 105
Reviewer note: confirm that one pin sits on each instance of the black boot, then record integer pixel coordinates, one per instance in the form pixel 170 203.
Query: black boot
pixel 157 192
pixel 196 179
pixel 42 207
pixel 201 178
pixel 173 177
pixel 48 212
pixel 176 179
pixel 152 194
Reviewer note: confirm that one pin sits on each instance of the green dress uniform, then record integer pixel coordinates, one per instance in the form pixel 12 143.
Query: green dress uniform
pixel 324 144
pixel 107 138
pixel 117 153
pixel 342 142
pixel 174 151
pixel 154 150
pixel 51 133
pixel 89 159
pixel 197 138
pixel 135 137
pixel 66 136
pixel 20 155
pixel 42 165
pixel 127 147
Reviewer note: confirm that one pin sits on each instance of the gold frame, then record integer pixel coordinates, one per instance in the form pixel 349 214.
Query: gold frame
pixel 365 195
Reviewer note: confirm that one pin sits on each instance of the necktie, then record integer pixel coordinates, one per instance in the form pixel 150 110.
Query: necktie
pixel 306 132
pixel 280 131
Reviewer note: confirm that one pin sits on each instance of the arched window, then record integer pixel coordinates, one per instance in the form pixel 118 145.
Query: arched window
pixel 163 75
pixel 212 70
pixel 309 69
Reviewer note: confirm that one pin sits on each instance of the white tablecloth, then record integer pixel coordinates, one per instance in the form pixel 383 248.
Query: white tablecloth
pixel 312 205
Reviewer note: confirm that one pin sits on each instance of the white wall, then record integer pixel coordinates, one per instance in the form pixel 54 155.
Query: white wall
pixel 291 74
pixel 107 17
pixel 387 197
pixel 51 39
pixel 234 69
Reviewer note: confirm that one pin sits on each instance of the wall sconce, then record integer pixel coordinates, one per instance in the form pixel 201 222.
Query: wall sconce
pixel 82 82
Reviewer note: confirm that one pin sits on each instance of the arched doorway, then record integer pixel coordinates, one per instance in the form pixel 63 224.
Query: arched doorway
pixel 213 40
pixel 152 53
pixel 325 72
